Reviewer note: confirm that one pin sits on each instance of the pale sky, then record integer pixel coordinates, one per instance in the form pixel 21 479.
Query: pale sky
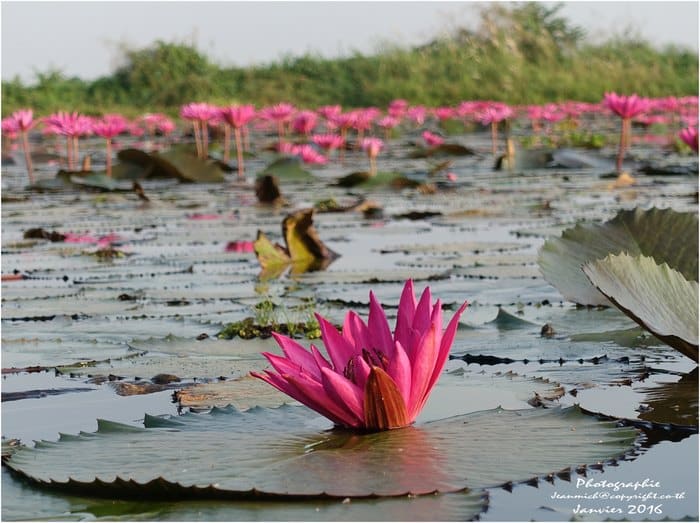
pixel 83 38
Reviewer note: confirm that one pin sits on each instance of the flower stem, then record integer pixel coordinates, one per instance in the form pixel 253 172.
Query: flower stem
pixel 109 157
pixel 372 166
pixel 227 140
pixel 239 153
pixel 197 140
pixel 494 136
pixel 27 156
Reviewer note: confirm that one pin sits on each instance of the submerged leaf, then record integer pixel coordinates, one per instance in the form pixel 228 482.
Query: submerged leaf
pixel 665 235
pixel 657 297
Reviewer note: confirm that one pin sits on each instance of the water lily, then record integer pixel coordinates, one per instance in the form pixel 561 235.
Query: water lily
pixel 372 380
pixel 237 117
pixel 372 146
pixel 109 127
pixel 626 107
pixel 690 136
pixel 24 119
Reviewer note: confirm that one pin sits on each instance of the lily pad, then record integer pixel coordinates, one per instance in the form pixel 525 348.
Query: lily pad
pixel 287 169
pixel 664 234
pixel 462 506
pixel 278 452
pixel 657 297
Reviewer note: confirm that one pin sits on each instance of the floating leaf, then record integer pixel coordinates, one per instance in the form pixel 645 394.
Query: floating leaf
pixel 47 506
pixel 278 453
pixel 657 297
pixel 177 163
pixel 665 235
pixel 288 169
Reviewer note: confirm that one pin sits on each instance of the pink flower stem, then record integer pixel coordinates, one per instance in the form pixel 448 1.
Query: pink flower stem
pixel 623 143
pixel 27 156
pixel 344 134
pixel 246 138
pixel 280 130
pixel 205 139
pixel 76 151
pixel 494 137
pixel 69 154
pixel 372 166
pixel 109 157
pixel 197 140
pixel 239 153
pixel 227 140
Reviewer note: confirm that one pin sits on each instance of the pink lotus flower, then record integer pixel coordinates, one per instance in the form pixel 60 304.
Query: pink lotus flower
pixel 444 113
pixel 626 106
pixel 690 136
pixel 309 155
pixel 328 141
pixel 372 146
pixel 327 111
pixel 108 128
pixel 397 108
pixel 433 140
pixel 24 119
pixel 304 122
pixel 237 115
pixel 373 380
pixel 10 129
pixel 416 114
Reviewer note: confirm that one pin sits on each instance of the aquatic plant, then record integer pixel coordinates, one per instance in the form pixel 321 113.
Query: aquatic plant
pixel 24 120
pixel 626 107
pixel 375 380
pixel 372 147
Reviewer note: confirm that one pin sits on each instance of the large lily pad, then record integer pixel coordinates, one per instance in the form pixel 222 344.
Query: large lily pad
pixel 287 169
pixel 664 234
pixel 175 163
pixel 657 297
pixel 16 495
pixel 282 452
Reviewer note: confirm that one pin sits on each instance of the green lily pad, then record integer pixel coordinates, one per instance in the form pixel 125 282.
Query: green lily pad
pixel 276 452
pixel 48 506
pixel 364 180
pixel 176 162
pixel 441 151
pixel 286 168
pixel 665 235
pixel 657 297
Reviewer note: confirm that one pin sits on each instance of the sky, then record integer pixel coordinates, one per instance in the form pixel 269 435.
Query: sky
pixel 84 38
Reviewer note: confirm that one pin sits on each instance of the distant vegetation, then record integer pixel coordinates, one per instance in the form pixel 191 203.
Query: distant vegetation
pixel 518 54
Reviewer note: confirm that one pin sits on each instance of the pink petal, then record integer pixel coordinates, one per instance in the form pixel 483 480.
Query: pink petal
pixel 276 381
pixel 321 362
pixel 445 346
pixel 421 323
pixel 356 332
pixel 379 328
pixel 343 392
pixel 316 398
pixel 360 371
pixel 404 318
pixel 298 354
pixel 422 369
pixel 338 348
pixel 400 371
pixel 283 365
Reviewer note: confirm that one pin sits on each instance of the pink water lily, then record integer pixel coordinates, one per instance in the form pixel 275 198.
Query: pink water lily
pixel 373 379
pixel 690 136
